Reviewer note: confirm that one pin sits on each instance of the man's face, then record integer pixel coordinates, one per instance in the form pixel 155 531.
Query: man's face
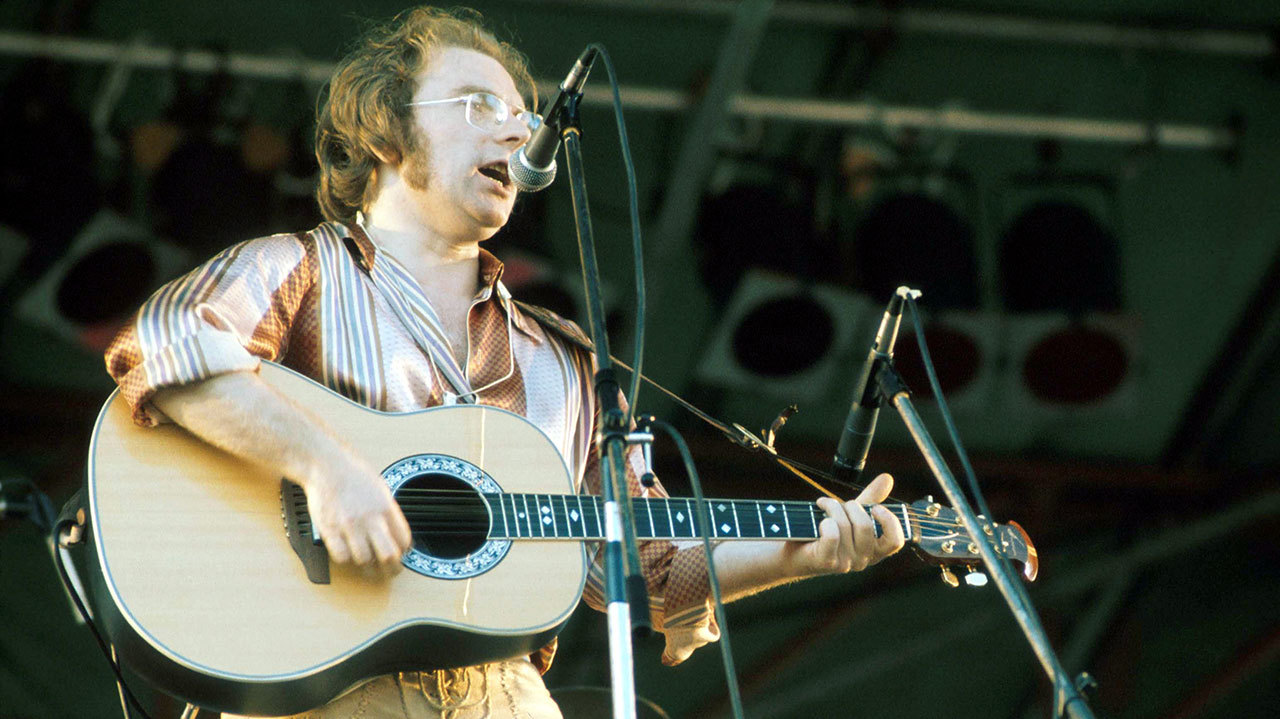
pixel 451 168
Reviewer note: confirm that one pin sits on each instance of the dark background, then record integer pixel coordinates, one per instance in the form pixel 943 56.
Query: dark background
pixel 1104 311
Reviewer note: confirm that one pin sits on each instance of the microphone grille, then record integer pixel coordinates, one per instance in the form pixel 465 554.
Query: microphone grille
pixel 527 178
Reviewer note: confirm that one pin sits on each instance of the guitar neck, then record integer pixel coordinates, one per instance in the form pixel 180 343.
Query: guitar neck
pixel 556 516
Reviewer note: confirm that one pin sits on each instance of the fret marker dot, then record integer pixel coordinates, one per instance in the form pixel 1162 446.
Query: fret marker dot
pixel 679 516
pixel 774 527
pixel 520 515
pixel 720 507
pixel 770 509
pixel 546 510
pixel 726 528
pixel 573 514
pixel 546 520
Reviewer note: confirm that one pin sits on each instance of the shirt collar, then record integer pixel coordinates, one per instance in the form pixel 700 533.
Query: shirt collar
pixel 491 280
pixel 490 275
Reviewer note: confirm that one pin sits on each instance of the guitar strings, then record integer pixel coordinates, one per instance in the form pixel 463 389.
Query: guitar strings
pixel 435 507
pixel 562 518
pixel 451 521
pixel 446 491
pixel 804 510
pixel 445 506
pixel 442 490
pixel 433 496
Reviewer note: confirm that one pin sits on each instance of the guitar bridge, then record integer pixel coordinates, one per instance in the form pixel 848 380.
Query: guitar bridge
pixel 297 527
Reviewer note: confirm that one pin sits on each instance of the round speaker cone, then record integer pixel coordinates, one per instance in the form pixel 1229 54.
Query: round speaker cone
pixel 1077 366
pixel 107 283
pixel 783 336
pixel 956 359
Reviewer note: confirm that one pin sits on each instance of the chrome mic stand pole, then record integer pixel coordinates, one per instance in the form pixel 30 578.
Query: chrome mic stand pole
pixel 623 580
pixel 1067 698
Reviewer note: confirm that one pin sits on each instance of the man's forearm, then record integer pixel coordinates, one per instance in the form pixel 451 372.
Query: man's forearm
pixel 347 499
pixel 847 541
pixel 745 568
pixel 239 413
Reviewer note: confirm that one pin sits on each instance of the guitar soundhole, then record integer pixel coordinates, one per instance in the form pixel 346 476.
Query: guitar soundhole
pixel 448 517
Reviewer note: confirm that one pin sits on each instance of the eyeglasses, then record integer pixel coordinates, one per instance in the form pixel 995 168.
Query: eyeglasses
pixel 486 111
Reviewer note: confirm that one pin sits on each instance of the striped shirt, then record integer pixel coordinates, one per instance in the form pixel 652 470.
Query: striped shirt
pixel 334 307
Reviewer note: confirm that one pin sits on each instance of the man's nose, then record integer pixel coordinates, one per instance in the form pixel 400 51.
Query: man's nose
pixel 515 132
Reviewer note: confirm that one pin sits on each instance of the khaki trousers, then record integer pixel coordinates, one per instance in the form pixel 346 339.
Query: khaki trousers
pixel 506 690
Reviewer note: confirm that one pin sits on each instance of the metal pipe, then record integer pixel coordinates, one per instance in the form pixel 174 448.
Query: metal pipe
pixel 1243 44
pixel 1150 550
pixel 781 109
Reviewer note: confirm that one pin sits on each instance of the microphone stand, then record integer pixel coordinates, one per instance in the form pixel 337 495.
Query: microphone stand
pixel 623 580
pixel 1067 697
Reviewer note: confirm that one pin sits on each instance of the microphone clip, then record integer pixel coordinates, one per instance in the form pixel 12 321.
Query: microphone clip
pixel 643 436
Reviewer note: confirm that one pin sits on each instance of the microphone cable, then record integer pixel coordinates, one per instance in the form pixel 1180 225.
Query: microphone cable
pixel 954 435
pixel 637 242
pixel 726 653
pixel 700 500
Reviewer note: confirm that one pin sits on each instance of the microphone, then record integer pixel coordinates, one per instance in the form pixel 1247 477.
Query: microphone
pixel 533 167
pixel 860 426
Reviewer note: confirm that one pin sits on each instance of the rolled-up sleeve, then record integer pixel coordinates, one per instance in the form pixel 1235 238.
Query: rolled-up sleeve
pixel 224 316
pixel 675 574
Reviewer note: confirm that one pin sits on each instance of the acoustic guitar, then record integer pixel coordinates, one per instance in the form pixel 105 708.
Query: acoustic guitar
pixel 212 584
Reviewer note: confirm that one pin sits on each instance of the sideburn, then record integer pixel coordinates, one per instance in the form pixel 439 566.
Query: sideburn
pixel 416 167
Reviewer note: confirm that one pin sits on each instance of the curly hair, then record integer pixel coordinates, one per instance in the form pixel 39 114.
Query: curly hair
pixel 364 113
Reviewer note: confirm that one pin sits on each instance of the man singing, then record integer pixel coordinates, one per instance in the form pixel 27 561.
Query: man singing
pixel 393 303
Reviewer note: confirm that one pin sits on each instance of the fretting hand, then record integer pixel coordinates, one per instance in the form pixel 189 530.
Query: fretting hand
pixel 847 538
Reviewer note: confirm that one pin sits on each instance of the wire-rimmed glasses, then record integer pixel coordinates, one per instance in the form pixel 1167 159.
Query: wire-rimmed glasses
pixel 486 111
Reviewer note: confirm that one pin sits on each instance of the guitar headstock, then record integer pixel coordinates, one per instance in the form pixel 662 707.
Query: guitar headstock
pixel 939 536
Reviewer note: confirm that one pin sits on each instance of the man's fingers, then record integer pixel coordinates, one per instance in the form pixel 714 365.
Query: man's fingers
pixel 877 491
pixel 839 560
pixel 358 546
pixel 400 532
pixel 891 538
pixel 864 535
pixel 336 546
pixel 385 549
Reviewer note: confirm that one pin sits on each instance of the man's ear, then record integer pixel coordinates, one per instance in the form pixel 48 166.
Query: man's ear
pixel 385 154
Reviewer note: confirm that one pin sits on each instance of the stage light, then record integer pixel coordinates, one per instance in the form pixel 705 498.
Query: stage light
pixel 110 268
pixel 1070 345
pixel 919 240
pixel 909 218
pixel 1058 249
pixel 964 347
pixel 13 248
pixel 785 338
pixel 761 219
pixel 1084 365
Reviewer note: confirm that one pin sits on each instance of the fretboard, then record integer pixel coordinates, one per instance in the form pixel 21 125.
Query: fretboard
pixel 555 516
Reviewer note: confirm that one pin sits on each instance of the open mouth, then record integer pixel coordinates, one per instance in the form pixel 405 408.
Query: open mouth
pixel 496 171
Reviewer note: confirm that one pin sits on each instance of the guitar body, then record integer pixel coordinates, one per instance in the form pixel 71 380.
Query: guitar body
pixel 202 593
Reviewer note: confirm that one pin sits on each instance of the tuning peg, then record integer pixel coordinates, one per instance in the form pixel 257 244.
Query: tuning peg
pixel 949 577
pixel 975 578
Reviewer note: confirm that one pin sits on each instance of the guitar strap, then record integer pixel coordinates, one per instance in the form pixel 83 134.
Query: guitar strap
pixel 570 333
pixel 736 433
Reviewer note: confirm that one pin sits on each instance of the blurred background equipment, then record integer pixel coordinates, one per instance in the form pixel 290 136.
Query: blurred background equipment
pixel 912 217
pixel 13 248
pixel 965 346
pixel 111 266
pixel 48 180
pixel 1085 193
pixel 784 338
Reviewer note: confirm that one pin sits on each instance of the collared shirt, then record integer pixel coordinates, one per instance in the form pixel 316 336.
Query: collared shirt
pixel 333 306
